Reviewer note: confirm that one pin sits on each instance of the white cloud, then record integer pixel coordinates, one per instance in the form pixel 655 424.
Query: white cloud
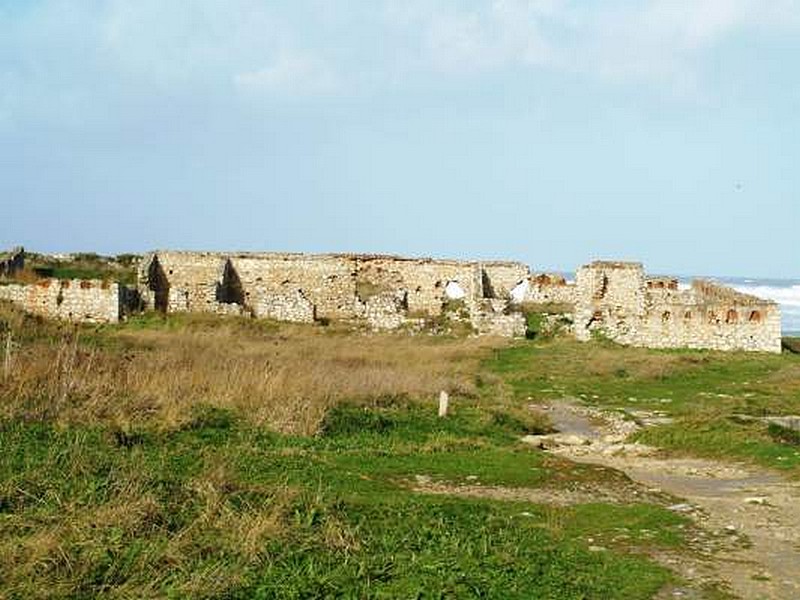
pixel 69 60
pixel 290 73
pixel 663 40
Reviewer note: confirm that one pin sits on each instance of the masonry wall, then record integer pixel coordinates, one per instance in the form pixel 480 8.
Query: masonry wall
pixel 549 288
pixel 12 263
pixel 76 300
pixel 422 280
pixel 186 279
pixel 612 298
pixel 616 300
pixel 500 277
pixel 327 282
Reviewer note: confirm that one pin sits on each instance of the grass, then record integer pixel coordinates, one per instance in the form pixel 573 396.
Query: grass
pixel 230 458
pixel 221 508
pixel 703 391
pixel 152 370
pixel 121 269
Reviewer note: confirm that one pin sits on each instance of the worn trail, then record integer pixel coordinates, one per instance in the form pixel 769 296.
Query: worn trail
pixel 757 511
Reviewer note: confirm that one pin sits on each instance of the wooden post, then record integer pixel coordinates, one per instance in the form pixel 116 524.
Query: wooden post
pixel 444 401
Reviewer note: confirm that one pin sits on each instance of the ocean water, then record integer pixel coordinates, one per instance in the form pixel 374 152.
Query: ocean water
pixel 785 292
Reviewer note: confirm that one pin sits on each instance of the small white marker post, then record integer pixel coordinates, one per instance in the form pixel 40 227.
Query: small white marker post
pixel 444 401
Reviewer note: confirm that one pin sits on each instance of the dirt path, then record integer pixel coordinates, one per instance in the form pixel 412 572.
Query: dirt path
pixel 758 512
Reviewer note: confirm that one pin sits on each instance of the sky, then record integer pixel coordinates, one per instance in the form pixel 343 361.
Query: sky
pixel 548 131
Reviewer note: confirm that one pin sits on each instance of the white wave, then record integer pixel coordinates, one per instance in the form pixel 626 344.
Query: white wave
pixel 788 297
pixel 785 296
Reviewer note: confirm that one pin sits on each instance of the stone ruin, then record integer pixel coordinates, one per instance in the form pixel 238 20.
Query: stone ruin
pixel 12 262
pixel 614 300
pixel 77 300
pixel 617 300
pixel 383 292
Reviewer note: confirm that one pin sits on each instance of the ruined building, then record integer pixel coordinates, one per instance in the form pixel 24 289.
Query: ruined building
pixel 614 300
pixel 12 262
pixel 383 291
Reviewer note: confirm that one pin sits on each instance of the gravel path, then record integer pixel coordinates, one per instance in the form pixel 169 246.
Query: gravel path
pixel 756 510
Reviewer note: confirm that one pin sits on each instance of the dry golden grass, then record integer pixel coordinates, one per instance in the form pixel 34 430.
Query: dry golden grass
pixel 285 377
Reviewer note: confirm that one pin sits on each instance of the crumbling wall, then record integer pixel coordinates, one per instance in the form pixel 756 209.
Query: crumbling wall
pixel 493 318
pixel 180 281
pixel 383 290
pixel 546 288
pixel 617 301
pixel 78 300
pixel 610 297
pixel 291 306
pixel 385 310
pixel 12 262
pixel 423 281
pixel 326 281
pixel 500 277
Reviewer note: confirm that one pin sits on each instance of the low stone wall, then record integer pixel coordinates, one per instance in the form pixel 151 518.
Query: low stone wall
pixel 510 325
pixel 77 300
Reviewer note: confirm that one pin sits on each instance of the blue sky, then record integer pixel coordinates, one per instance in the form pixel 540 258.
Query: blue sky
pixel 548 131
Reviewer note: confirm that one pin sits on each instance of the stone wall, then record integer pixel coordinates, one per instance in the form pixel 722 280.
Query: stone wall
pixel 495 319
pixel 383 290
pixel 424 281
pixel 77 300
pixel 617 301
pixel 12 262
pixel 500 277
pixel 612 298
pixel 547 288
pixel 385 310
pixel 290 306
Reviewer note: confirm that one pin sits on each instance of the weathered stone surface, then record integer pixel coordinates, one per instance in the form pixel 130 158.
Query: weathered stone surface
pixel 615 300
pixel 78 300
pixel 383 291
pixel 12 262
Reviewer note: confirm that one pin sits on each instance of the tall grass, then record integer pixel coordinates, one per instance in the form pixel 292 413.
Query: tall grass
pixel 286 377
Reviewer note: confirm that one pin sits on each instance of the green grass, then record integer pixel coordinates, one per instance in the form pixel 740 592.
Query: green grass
pixel 92 511
pixel 703 391
pixel 216 505
pixel 121 269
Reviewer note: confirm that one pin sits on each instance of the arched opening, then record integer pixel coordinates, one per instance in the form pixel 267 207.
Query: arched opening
pixel 158 283
pixel 229 290
pixel 755 317
pixel 519 291
pixel 712 317
pixel 687 315
pixel 666 316
pixel 488 290
pixel 453 291
pixel 731 317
